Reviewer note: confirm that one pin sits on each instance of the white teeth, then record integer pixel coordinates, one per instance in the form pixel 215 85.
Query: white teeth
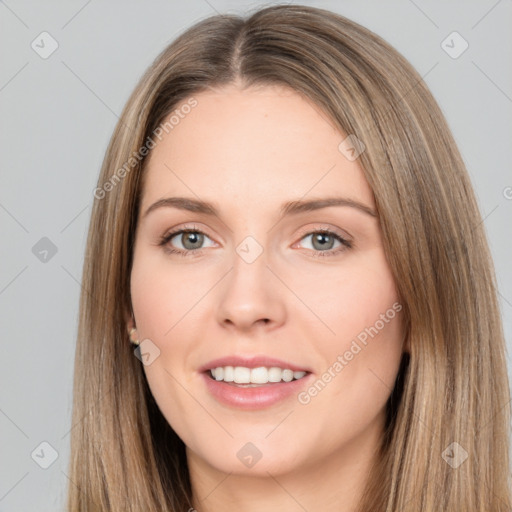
pixel 229 374
pixel 260 375
pixel 242 375
pixel 219 373
pixel 274 374
pixel 287 375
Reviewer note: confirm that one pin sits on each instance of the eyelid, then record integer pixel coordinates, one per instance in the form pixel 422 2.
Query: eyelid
pixel 344 239
pixel 171 233
pixel 324 227
pixel 185 227
pixel 302 232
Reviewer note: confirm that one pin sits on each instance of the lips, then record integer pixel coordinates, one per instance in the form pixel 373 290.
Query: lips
pixel 253 396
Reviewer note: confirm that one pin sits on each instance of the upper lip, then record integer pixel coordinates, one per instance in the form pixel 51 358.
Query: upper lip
pixel 253 362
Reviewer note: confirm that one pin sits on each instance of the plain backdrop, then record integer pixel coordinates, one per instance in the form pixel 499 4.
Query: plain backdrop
pixel 58 111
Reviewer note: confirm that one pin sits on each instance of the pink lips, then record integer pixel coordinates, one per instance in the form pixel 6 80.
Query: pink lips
pixel 258 397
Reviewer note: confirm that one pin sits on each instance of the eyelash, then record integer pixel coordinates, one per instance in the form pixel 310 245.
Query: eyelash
pixel 164 240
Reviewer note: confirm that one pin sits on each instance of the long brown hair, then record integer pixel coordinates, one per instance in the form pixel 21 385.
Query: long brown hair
pixel 453 399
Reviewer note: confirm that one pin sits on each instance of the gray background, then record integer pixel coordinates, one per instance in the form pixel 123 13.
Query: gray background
pixel 57 115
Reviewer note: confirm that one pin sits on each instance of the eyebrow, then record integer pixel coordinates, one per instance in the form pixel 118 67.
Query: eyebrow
pixel 289 208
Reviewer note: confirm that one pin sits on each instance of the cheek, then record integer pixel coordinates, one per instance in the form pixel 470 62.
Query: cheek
pixel 354 300
pixel 165 304
pixel 162 294
pixel 159 301
pixel 363 350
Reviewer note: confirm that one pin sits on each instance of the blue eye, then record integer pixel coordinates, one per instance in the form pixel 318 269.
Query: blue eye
pixel 323 240
pixel 192 240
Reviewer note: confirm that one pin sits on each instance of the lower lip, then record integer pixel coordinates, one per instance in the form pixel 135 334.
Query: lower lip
pixel 252 398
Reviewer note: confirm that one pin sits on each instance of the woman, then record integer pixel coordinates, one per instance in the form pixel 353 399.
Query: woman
pixel 331 338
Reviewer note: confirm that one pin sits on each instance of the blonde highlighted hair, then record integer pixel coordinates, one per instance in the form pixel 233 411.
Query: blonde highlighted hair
pixel 453 387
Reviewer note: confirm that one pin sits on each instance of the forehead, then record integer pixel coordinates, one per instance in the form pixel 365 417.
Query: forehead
pixel 251 146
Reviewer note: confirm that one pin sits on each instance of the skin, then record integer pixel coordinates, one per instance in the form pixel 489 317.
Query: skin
pixel 249 151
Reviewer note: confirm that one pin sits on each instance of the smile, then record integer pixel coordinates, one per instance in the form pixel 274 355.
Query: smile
pixel 255 376
pixel 249 395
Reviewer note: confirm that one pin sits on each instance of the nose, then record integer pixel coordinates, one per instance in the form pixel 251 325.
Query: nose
pixel 251 296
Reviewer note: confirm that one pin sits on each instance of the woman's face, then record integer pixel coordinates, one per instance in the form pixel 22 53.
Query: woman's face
pixel 265 280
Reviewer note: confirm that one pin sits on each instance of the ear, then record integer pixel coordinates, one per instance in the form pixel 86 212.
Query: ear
pixel 129 322
pixel 129 319
pixel 132 334
pixel 131 328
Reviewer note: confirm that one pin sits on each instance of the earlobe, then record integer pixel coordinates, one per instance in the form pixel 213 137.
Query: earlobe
pixel 133 336
pixel 132 331
pixel 130 322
